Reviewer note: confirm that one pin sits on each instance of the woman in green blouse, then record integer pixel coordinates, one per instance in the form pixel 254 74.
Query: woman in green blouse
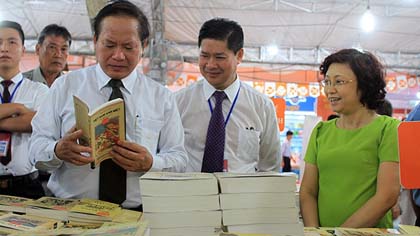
pixel 351 175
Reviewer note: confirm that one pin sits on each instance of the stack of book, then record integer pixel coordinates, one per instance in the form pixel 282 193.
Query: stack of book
pixel 27 223
pixel 13 204
pixel 261 202
pixel 51 207
pixel 93 211
pixel 409 229
pixel 180 203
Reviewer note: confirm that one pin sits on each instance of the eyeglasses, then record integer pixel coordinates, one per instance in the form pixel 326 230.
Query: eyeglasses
pixel 328 83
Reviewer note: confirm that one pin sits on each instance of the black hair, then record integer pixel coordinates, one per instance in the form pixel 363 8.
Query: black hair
pixel 369 72
pixel 385 108
pixel 223 29
pixel 13 25
pixel 289 133
pixel 123 8
pixel 56 30
pixel 333 116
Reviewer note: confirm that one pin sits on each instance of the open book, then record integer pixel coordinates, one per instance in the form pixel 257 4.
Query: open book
pixel 102 127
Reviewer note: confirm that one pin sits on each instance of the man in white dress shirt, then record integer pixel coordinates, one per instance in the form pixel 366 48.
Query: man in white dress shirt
pixel 154 131
pixel 20 98
pixel 286 152
pixel 252 141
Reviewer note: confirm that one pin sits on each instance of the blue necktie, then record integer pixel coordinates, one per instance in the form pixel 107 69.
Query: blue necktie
pixel 6 99
pixel 113 178
pixel 215 142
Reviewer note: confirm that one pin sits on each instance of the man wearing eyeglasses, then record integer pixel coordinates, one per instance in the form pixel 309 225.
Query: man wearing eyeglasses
pixel 52 49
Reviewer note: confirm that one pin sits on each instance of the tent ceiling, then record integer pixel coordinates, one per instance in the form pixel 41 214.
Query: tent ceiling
pixel 305 30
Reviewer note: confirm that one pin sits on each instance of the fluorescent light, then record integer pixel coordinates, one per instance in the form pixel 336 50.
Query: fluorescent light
pixel 272 50
pixel 367 23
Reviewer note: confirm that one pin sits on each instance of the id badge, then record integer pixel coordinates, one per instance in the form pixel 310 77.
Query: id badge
pixel 225 165
pixel 4 143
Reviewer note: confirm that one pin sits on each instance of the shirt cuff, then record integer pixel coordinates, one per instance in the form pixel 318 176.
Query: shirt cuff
pixel 51 161
pixel 157 164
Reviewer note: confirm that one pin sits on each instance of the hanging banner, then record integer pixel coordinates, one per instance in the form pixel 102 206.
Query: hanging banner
pixel 270 89
pixel 402 82
pixel 303 90
pixel 412 81
pixel 292 90
pixel 314 89
pixel 280 105
pixel 323 107
pixel 259 86
pixel 408 147
pixel 281 89
pixel 191 79
pixel 391 84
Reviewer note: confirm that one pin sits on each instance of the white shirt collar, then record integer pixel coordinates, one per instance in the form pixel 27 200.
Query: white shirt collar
pixel 16 79
pixel 128 81
pixel 230 91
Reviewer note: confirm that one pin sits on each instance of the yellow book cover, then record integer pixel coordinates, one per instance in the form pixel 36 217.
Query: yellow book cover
pixel 26 223
pixel 12 203
pixel 361 232
pixel 409 229
pixel 125 229
pixel 89 208
pixel 54 203
pixel 127 216
pixel 102 127
pixel 242 234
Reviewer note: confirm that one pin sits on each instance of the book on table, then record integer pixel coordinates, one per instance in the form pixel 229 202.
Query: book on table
pixel 181 231
pixel 257 200
pixel 259 182
pixel 26 223
pixel 178 184
pixel 271 215
pixel 51 207
pixel 183 219
pixel 92 210
pixel 102 127
pixel 295 229
pixel 180 203
pixel 13 204
pixel 126 229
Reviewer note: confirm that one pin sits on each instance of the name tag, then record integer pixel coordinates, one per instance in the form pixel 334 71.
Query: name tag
pixel 4 143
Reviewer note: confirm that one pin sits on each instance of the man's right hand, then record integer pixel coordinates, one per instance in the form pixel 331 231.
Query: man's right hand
pixel 67 149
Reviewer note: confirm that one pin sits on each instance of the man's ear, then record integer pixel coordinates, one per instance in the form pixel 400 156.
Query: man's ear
pixel 37 48
pixel 144 44
pixel 240 56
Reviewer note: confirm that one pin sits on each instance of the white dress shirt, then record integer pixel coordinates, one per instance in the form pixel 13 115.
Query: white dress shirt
pixel 152 120
pixel 31 94
pixel 285 148
pixel 252 137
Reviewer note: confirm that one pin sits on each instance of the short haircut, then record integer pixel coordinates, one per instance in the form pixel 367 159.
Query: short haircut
pixel 369 72
pixel 123 8
pixel 289 133
pixel 56 30
pixel 385 108
pixel 14 25
pixel 223 29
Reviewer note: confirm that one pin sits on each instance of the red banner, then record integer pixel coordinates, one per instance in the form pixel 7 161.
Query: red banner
pixel 280 105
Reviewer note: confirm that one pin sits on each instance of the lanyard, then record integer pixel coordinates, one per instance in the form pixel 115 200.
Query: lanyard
pixel 13 93
pixel 231 108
